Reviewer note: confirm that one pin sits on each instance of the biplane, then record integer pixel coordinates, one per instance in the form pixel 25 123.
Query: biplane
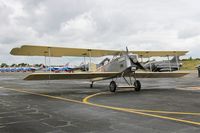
pixel 123 66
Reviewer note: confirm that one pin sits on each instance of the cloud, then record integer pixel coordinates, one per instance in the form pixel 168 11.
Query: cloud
pixel 81 27
pixel 140 25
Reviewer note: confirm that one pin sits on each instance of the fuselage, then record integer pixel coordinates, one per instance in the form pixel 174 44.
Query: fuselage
pixel 118 64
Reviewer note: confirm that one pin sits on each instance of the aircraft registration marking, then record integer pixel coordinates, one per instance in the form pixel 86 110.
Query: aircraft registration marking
pixel 127 110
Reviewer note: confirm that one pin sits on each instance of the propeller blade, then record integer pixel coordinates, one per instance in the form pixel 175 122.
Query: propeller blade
pixel 136 63
pixel 140 66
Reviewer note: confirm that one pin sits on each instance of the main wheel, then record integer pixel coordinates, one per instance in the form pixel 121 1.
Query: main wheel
pixel 112 86
pixel 137 85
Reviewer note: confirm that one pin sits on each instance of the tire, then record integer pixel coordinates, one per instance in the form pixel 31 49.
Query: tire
pixel 137 85
pixel 112 86
pixel 91 85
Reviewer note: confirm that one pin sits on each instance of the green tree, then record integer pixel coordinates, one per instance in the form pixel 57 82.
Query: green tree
pixel 4 65
pixel 13 65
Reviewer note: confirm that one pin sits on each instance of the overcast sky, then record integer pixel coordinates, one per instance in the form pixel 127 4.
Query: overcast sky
pixel 105 24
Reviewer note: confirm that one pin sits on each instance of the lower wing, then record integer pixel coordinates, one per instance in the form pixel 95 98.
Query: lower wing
pixel 102 75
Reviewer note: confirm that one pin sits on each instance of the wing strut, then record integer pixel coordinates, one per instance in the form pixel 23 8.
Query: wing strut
pixel 90 54
pixel 49 49
pixel 170 67
pixel 177 62
pixel 150 63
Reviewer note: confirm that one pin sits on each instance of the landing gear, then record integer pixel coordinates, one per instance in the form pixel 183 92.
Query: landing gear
pixel 131 82
pixel 112 86
pixel 137 85
pixel 128 77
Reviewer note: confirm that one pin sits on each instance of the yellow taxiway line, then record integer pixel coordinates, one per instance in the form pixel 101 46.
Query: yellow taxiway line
pixel 44 95
pixel 86 102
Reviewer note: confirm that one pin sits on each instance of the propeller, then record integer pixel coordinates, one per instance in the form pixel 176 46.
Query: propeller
pixel 138 64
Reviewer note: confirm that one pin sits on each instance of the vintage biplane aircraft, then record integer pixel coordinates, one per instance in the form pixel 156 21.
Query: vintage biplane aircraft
pixel 123 65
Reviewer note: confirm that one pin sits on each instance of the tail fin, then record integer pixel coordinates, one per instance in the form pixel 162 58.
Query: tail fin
pixel 67 64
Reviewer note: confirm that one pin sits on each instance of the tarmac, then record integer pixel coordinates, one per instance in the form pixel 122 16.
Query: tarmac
pixel 70 106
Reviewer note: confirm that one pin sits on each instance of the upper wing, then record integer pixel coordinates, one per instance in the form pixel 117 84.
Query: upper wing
pixel 30 50
pixel 101 75
pixel 146 54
